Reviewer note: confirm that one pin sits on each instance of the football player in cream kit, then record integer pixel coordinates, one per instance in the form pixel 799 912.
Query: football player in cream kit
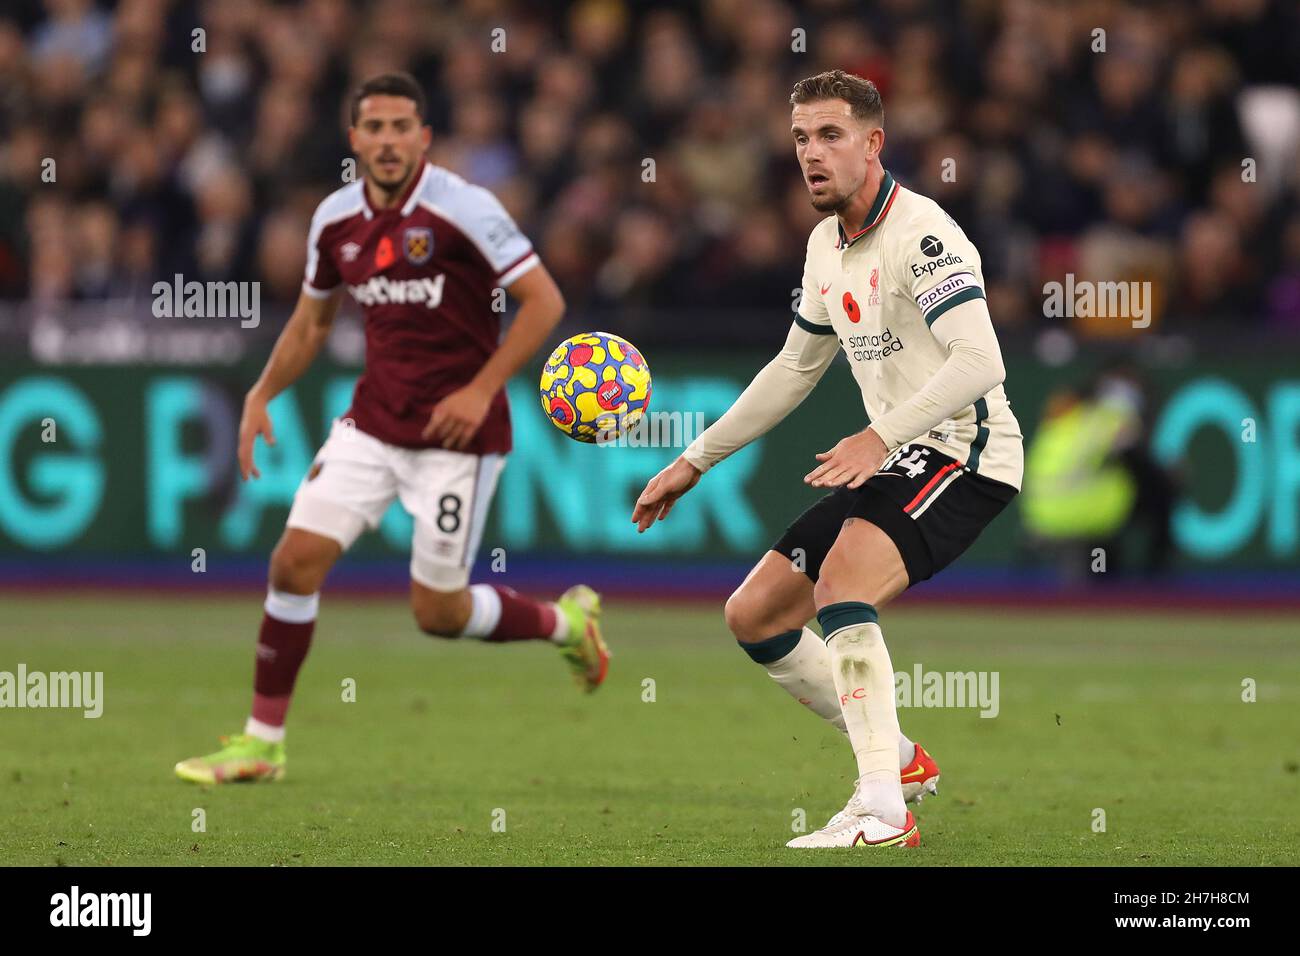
pixel 892 281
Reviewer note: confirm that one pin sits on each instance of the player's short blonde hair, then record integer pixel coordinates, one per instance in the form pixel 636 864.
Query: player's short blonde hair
pixel 861 94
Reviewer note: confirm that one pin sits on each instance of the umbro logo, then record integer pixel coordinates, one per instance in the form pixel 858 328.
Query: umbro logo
pixel 349 251
pixel 825 288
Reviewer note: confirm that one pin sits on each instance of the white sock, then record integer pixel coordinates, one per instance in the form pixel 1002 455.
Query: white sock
pixel 484 611
pixel 255 728
pixel 864 677
pixel 291 608
pixel 805 673
pixel 906 751
pixel 561 632
pixel 803 669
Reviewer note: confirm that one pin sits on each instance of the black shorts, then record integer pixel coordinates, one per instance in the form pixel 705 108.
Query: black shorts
pixel 931 507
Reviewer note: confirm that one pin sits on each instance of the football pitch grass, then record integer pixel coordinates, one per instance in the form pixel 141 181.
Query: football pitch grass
pixel 464 753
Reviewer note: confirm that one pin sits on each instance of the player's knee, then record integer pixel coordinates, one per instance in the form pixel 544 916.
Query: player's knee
pixel 829 586
pixel 439 614
pixel 296 569
pixel 841 581
pixel 745 616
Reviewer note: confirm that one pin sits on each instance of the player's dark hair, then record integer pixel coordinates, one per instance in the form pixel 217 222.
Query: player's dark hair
pixel 861 94
pixel 389 84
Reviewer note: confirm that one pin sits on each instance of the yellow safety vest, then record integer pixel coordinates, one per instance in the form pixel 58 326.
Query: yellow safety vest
pixel 1072 489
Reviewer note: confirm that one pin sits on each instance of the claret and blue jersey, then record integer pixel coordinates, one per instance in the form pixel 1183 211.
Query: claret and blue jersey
pixel 424 273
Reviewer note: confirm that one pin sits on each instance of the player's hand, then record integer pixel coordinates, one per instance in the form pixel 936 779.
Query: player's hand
pixel 851 462
pixel 662 493
pixel 457 417
pixel 255 420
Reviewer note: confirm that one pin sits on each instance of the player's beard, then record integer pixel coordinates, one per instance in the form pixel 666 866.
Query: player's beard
pixel 833 201
pixel 830 202
pixel 393 186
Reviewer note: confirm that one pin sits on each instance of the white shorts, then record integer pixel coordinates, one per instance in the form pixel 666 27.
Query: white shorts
pixel 355 478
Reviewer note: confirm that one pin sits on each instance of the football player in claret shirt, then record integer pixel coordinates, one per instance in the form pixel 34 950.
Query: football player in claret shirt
pixel 422 252
pixel 893 282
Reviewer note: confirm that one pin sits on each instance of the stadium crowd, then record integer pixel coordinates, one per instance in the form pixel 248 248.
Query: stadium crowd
pixel 197 138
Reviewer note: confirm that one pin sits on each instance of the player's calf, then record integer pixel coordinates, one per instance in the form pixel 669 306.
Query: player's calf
pixel 798 661
pixel 487 612
pixel 766 614
pixel 299 564
pixel 497 614
pixel 441 613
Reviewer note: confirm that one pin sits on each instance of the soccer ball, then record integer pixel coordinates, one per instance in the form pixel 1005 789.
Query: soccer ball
pixel 595 387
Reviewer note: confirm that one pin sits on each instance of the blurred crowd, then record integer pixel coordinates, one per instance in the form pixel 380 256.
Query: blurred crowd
pixel 646 147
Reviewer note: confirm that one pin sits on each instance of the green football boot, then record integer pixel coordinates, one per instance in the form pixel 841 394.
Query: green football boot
pixel 242 758
pixel 584 648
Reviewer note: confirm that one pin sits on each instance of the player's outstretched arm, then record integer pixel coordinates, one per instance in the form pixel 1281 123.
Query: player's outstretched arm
pixel 663 491
pixel 299 341
pixel 774 393
pixel 457 417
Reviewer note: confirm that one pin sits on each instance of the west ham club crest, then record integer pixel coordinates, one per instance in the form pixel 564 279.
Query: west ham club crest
pixel 417 242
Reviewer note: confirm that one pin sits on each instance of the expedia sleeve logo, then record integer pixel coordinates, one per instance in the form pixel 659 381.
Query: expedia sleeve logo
pixel 932 247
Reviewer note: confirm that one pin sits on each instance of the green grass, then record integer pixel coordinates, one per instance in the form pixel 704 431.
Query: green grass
pixel 1139 715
